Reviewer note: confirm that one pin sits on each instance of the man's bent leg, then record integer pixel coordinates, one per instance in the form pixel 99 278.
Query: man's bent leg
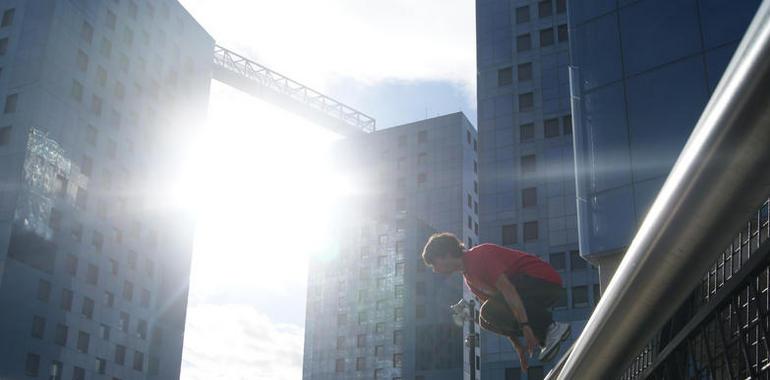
pixel 538 297
pixel 496 316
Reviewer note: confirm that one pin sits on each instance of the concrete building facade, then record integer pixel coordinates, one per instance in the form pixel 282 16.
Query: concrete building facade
pixel 374 310
pixel 93 265
pixel 526 173
pixel 638 89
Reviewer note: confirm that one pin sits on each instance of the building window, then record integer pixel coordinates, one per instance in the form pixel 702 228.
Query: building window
pixel 120 354
pixel 96 105
pixel 32 367
pixel 342 319
pixel 422 137
pixel 398 314
pixel 526 102
pixel 422 158
pixel 43 290
pixel 361 340
pixel 551 128
pixel 339 365
pixel 546 37
pixel 5 135
pixel 505 76
pixel 110 21
pixel 526 132
pixel 470 222
pixel 379 328
pixel 597 294
pixel 138 361
pixel 576 261
pixel 10 103
pixel 567 124
pixel 7 18
pixel 475 167
pixel 101 366
pixel 141 329
pixel 513 374
pixel 101 76
pixel 561 6
pixel 87 32
pixel 379 374
pixel 557 261
pixel 529 197
pixel 579 296
pixel 109 299
pixel 535 373
pixel 66 299
pixel 420 311
pixel 87 309
pixel 3 46
pixel 528 164
pixel 360 364
pixel 469 200
pixel 128 290
pixel 523 42
pixel 524 71
pixel 82 61
pixel 379 351
pixel 92 276
pixel 60 335
pixel 106 48
pixel 398 358
pixel 78 373
pixel 38 327
pixel 83 342
pixel 399 291
pixel 563 33
pixel 530 231
pixel 544 8
pixel 522 14
pixel 510 234
pixel 104 332
pixel 421 178
pixel 398 337
pixel 124 321
pixel 340 343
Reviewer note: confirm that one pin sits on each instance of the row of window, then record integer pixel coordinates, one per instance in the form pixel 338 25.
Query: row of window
pixel 548 37
pixel 510 232
pixel 398 339
pixel 545 9
pixel 87 308
pixel 339 365
pixel 56 370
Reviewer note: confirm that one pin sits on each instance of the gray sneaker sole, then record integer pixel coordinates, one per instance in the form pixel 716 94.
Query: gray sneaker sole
pixel 550 354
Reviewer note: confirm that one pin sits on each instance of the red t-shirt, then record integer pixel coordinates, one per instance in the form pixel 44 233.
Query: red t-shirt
pixel 485 263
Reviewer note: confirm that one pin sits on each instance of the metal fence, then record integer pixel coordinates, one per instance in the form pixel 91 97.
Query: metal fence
pixel 721 331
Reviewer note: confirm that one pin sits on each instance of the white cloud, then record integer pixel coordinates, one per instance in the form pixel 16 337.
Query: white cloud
pixel 318 42
pixel 238 342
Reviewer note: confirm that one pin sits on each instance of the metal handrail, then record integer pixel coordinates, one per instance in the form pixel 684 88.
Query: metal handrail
pixel 244 67
pixel 711 188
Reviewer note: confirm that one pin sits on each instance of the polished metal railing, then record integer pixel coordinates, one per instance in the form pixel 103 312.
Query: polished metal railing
pixel 722 174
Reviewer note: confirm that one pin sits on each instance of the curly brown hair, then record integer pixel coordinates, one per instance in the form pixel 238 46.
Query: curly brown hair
pixel 442 244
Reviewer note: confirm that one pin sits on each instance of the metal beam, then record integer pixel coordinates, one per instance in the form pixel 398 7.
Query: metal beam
pixel 255 79
pixel 719 178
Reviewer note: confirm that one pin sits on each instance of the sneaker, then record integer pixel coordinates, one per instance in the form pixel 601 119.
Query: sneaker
pixel 557 332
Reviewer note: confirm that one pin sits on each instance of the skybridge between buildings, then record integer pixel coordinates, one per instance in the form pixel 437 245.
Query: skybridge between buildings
pixel 257 80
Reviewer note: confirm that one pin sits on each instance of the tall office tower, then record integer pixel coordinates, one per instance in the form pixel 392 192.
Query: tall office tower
pixel 525 154
pixel 94 269
pixel 374 310
pixel 638 89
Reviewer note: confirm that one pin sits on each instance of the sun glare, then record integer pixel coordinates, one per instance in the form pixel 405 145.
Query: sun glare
pixel 262 186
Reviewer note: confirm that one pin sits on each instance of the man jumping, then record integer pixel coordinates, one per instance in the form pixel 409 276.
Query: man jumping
pixel 517 290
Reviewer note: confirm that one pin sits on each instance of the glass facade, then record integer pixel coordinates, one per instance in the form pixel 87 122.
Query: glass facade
pixel 374 309
pixel 95 271
pixel 642 72
pixel 526 174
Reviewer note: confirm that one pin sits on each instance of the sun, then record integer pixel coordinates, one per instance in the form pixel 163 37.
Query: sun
pixel 262 185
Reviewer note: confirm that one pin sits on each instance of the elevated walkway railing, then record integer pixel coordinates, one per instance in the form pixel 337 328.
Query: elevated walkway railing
pixel 720 177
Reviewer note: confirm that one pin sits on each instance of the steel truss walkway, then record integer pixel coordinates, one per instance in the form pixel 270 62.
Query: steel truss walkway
pixel 255 79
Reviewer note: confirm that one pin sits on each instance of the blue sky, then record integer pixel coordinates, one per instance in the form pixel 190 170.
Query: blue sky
pixel 259 177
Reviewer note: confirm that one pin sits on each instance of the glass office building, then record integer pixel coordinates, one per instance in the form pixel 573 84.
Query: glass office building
pixel 526 173
pixel 374 309
pixel 642 72
pixel 94 270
